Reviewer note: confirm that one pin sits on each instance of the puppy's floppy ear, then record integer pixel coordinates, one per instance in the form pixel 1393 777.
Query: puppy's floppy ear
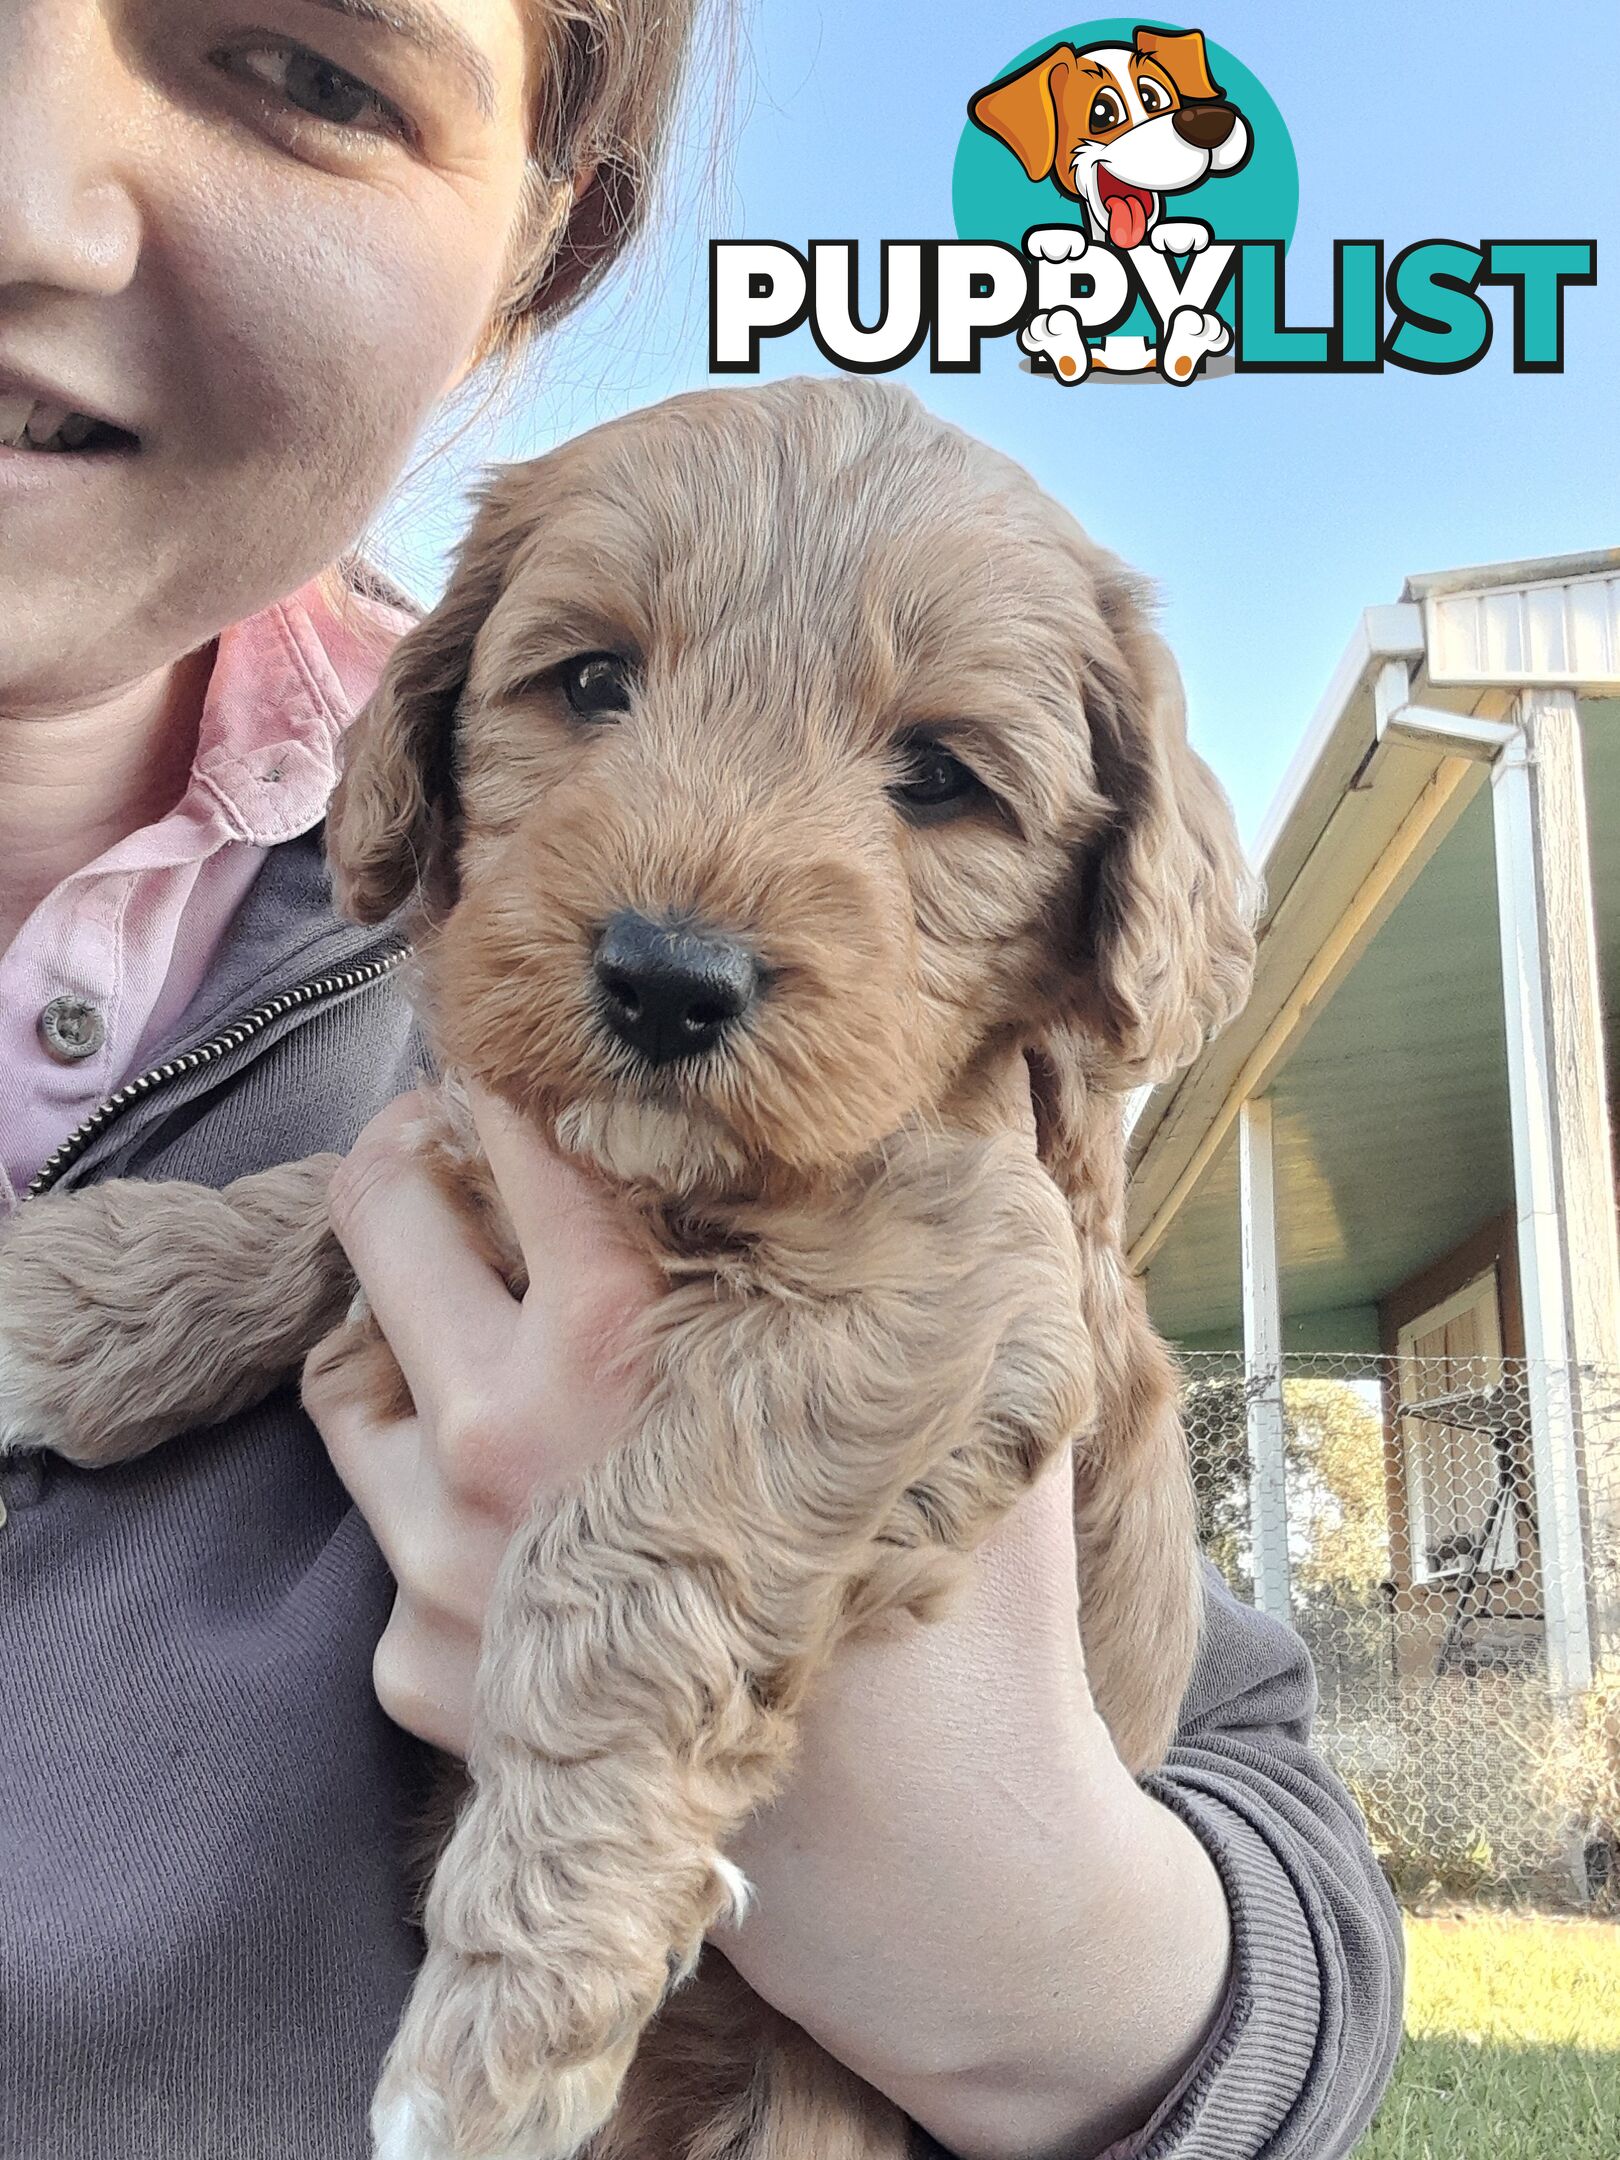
pixel 1182 55
pixel 1021 111
pixel 1167 948
pixel 391 830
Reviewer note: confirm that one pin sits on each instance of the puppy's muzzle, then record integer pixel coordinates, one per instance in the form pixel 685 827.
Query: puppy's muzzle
pixel 1206 127
pixel 669 991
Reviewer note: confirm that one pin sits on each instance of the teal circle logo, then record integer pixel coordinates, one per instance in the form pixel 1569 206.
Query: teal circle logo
pixel 993 196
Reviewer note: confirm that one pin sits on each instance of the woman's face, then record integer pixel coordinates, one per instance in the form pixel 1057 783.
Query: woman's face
pixel 257 238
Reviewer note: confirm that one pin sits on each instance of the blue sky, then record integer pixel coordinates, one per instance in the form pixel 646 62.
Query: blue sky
pixel 1269 509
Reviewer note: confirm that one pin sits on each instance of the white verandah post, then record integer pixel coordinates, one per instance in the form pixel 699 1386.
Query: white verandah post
pixel 1563 1182
pixel 1262 1360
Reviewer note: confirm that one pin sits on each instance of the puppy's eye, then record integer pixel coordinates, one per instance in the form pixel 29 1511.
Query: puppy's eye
pixel 1106 112
pixel 933 784
pixel 1153 98
pixel 597 685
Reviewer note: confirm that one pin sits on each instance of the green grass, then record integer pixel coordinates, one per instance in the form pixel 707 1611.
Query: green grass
pixel 1512 2047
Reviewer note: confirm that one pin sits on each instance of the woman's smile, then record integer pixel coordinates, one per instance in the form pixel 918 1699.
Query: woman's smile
pixel 243 253
pixel 51 427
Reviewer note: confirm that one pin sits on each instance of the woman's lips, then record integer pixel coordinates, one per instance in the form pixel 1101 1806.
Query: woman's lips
pixel 47 420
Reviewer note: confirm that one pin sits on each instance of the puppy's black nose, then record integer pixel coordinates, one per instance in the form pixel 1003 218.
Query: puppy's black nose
pixel 668 992
pixel 1206 127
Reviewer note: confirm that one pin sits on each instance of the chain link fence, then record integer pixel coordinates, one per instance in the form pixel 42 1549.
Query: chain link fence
pixel 1442 1530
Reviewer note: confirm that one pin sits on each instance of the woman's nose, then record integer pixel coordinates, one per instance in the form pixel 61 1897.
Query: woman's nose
pixel 68 219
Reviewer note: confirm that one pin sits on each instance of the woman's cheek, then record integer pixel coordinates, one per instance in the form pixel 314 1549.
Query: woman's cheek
pixel 327 326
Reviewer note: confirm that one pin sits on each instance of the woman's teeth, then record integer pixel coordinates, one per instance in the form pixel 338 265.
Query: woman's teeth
pixel 30 424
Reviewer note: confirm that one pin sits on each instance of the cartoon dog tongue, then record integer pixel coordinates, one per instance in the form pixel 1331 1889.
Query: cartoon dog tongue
pixel 1127 220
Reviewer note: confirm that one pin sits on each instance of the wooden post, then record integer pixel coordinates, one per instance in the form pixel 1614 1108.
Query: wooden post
pixel 1262 1360
pixel 1563 1181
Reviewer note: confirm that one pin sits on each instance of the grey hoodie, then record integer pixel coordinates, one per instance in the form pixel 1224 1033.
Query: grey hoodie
pixel 204 1936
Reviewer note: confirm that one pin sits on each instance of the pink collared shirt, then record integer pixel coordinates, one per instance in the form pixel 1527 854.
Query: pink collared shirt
pixel 126 941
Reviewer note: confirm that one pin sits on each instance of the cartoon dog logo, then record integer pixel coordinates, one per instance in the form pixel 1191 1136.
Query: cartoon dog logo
pixel 1117 128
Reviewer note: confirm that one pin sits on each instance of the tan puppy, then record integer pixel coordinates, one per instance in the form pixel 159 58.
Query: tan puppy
pixel 780 772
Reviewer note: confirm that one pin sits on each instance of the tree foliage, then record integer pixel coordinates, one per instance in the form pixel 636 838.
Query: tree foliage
pixel 1333 1438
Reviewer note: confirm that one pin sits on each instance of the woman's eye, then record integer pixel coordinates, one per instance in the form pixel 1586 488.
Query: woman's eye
pixel 1106 111
pixel 597 685
pixel 933 783
pixel 321 90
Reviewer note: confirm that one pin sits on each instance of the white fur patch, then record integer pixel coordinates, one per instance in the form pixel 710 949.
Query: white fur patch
pixel 566 2111
pixel 1180 236
pixel 1150 154
pixel 399 2132
pixel 20 1422
pixel 738 1887
pixel 1057 243
pixel 1058 336
pixel 1117 60
pixel 1122 354
pixel 1235 148
pixel 1192 337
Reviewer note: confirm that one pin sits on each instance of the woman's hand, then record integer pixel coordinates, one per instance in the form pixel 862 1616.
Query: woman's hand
pixel 511 1396
pixel 962 1893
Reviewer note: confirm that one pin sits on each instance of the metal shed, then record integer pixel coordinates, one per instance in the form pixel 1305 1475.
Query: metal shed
pixel 1399 1157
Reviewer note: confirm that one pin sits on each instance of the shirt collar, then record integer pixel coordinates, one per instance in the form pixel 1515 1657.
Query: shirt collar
pixel 285 684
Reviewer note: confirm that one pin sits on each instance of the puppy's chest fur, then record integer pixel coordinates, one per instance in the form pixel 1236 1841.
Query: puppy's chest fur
pixel 938 1282
pixel 898 1353
pixel 886 1231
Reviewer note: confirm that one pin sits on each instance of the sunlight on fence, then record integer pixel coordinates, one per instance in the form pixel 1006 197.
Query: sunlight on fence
pixel 1441 1529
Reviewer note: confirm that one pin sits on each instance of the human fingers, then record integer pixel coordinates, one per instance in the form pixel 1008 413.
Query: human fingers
pixel 446 1312
pixel 443 1543
pixel 569 1223
pixel 425 1674
pixel 590 1282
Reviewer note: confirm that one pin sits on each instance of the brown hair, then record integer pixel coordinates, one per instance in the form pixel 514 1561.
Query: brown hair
pixel 609 75
pixel 609 79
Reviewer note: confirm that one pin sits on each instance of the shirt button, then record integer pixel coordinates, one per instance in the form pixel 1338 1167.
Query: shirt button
pixel 22 1483
pixel 72 1028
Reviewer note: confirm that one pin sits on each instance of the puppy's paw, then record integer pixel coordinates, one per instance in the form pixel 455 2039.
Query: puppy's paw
pixel 1057 336
pixel 1193 337
pixel 21 1425
pixel 1057 243
pixel 1180 236
pixel 32 1382
pixel 403 2128
pixel 509 2059
pixel 556 2120
pixel 65 1387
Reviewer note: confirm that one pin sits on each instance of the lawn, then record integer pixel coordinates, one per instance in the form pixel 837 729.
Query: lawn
pixel 1513 2042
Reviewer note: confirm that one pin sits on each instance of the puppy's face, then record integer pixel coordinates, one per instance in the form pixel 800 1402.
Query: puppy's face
pixel 763 760
pixel 1118 126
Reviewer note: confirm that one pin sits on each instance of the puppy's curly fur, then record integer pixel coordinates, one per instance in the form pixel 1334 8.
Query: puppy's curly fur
pixel 886 1311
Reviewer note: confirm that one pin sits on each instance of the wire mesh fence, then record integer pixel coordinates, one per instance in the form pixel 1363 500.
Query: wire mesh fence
pixel 1443 1528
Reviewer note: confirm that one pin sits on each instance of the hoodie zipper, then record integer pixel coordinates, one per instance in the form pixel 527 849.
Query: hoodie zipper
pixel 207 1053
